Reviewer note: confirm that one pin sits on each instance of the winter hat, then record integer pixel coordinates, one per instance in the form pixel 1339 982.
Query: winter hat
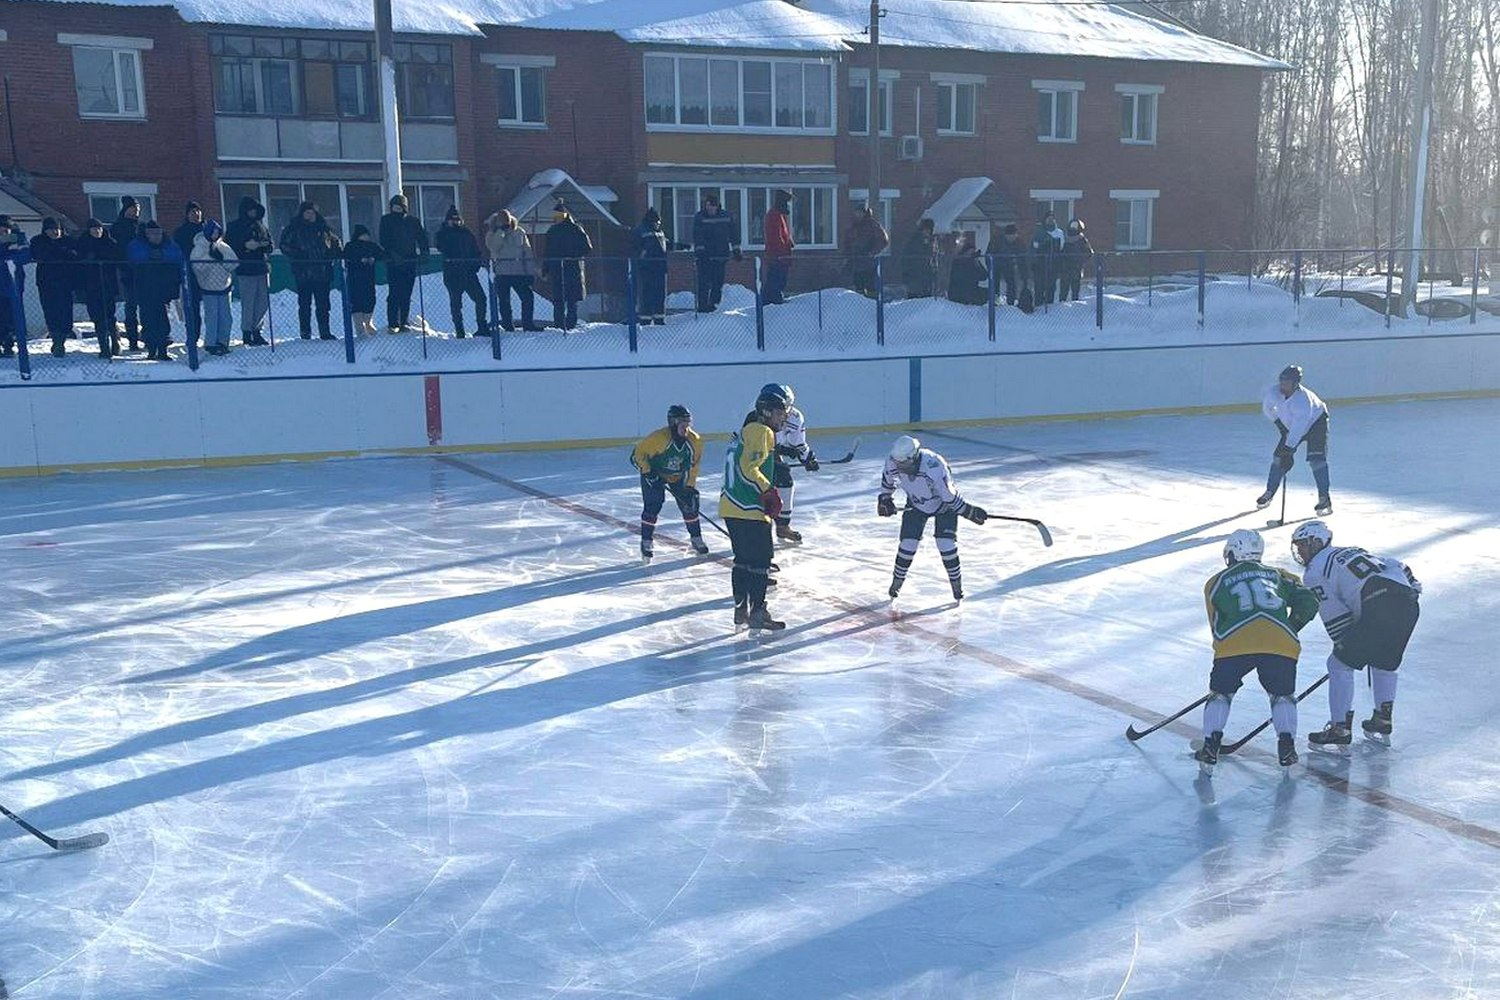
pixel 49 223
pixel 151 225
pixel 453 213
pixel 212 230
pixel 307 205
pixel 128 201
pixel 361 230
pixel 651 214
pixel 559 210
pixel 93 223
pixel 398 199
pixel 190 208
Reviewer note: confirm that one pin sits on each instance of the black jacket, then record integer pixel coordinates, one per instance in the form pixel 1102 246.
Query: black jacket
pixel 715 235
pixel 183 235
pixel 460 250
pixel 56 263
pixel 312 247
pixel 917 264
pixel 566 247
pixel 964 280
pixel 250 225
pixel 1076 254
pixel 100 262
pixel 403 236
pixel 125 230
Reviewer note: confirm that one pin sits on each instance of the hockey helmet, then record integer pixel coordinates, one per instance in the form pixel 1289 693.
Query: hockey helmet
pixel 904 449
pixel 1291 374
pixel 1243 545
pixel 679 418
pixel 783 392
pixel 1309 539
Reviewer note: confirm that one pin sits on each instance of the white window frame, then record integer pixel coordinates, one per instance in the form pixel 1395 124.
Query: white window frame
pixel 1146 197
pixel 115 45
pixel 513 64
pixel 117 190
pixel 1133 92
pixel 946 86
pixel 860 79
pixel 653 199
pixel 1059 89
pixel 1070 195
pixel 741 128
pixel 887 207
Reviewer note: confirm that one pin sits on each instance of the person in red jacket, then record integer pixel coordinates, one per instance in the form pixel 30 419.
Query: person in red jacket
pixel 778 247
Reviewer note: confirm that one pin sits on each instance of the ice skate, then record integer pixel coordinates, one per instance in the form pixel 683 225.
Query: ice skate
pixel 1264 500
pixel 741 617
pixel 760 620
pixel 646 551
pixel 1286 749
pixel 699 545
pixel 787 535
pixel 1378 726
pixel 1324 507
pixel 1333 738
pixel 1208 754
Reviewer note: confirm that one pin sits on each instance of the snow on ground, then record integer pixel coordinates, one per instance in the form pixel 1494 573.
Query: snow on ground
pixel 400 728
pixel 814 324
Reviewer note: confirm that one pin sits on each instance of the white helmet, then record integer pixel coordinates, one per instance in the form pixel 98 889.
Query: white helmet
pixel 905 448
pixel 1244 545
pixel 1309 539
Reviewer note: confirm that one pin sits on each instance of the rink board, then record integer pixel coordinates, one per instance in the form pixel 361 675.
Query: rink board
pixel 63 427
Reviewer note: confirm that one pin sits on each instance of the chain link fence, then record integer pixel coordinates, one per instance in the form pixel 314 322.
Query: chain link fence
pixel 683 308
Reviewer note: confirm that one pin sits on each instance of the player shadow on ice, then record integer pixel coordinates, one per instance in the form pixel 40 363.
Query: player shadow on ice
pixel 314 639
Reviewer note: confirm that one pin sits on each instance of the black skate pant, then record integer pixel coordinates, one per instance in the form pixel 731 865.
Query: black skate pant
pixel 1278 674
pixel 654 496
pixel 1387 618
pixel 751 543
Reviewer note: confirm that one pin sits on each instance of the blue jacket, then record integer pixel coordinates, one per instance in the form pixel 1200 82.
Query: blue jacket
pixel 157 269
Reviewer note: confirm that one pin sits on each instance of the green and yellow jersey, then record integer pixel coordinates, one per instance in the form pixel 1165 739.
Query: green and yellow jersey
pixel 747 472
pixel 1257 609
pixel 672 461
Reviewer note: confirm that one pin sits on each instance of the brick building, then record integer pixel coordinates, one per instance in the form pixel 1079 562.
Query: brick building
pixel 1145 130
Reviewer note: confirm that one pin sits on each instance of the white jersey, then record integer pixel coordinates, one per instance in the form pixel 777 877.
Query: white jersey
pixel 791 440
pixel 1338 574
pixel 1297 412
pixel 929 489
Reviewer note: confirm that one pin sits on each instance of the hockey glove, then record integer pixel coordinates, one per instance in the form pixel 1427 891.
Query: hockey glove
pixel 1284 456
pixel 885 505
pixel 810 463
pixel 688 500
pixel 770 502
pixel 976 514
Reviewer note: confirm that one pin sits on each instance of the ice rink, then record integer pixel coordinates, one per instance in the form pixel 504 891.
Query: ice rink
pixel 421 728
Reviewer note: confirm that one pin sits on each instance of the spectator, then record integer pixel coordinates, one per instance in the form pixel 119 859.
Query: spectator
pixel 946 247
pixel 250 240
pixel 405 241
pixel 651 249
pixel 1046 242
pixel 156 275
pixel 716 238
pixel 919 260
pixel 514 266
pixel 1076 255
pixel 98 254
pixel 13 251
pixel 359 269
pixel 213 270
pixel 461 263
pixel 567 246
pixel 969 279
pixel 126 227
pixel 56 258
pixel 865 240
pixel 779 247
pixel 183 235
pixel 312 248
pixel 1011 264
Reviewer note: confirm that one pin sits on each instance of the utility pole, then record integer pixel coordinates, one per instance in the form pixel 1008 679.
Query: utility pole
pixel 1416 173
pixel 385 51
pixel 874 199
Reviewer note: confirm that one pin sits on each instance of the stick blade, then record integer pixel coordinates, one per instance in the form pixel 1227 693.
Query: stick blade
pixel 85 843
pixel 1046 535
pixel 1132 734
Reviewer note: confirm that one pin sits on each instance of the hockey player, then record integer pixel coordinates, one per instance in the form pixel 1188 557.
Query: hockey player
pixel 1300 416
pixel 924 476
pixel 668 459
pixel 1370 608
pixel 749 504
pixel 791 443
pixel 1254 612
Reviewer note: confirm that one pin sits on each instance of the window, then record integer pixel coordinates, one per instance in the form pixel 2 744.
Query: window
pixel 859 104
pixel 104 200
pixel 290 77
pixel 424 81
pixel 430 202
pixel 698 93
pixel 1059 202
pixel 1135 213
pixel 956 103
pixel 1138 113
pixel 523 95
pixel 343 205
pixel 108 81
pixel 885 211
pixel 1057 110
pixel 813 218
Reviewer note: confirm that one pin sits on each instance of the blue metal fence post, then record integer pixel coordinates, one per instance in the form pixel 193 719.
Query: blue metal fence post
pixel 989 270
pixel 879 301
pixel 18 317
pixel 1474 291
pixel 343 282
pixel 760 306
pixel 495 328
pixel 1099 290
pixel 632 304
pixel 1202 285
pixel 1390 276
pixel 190 315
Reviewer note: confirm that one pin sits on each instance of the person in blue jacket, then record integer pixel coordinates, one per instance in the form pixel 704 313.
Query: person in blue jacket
pixel 13 253
pixel 156 266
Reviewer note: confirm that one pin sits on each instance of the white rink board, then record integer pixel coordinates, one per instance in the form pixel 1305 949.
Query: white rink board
pixel 82 426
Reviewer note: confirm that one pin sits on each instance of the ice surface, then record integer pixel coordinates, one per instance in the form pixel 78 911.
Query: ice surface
pixel 404 728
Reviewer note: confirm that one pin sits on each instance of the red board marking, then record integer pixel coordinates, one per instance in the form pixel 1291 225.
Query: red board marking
pixel 432 389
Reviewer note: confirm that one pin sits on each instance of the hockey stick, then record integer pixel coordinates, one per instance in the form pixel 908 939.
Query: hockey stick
pixel 847 458
pixel 716 524
pixel 1232 747
pixel 1132 734
pixel 1282 519
pixel 66 844
pixel 1046 535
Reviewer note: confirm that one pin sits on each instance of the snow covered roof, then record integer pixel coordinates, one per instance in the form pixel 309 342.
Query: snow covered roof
pixel 554 183
pixel 970 198
pixel 1062 29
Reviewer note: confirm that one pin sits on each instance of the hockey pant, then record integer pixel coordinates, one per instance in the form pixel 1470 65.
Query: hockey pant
pixel 945 534
pixel 654 495
pixel 1278 676
pixel 1377 640
pixel 1317 458
pixel 781 478
pixel 751 544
